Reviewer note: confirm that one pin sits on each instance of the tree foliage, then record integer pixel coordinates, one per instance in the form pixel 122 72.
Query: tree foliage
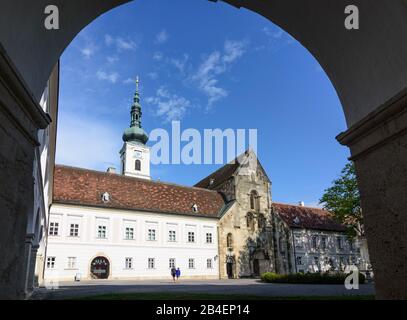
pixel 342 199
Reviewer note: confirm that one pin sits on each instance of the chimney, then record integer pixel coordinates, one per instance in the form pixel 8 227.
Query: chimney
pixel 301 204
pixel 111 170
pixel 211 181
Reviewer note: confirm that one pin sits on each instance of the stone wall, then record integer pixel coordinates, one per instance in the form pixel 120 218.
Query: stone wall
pixel 20 119
pixel 252 242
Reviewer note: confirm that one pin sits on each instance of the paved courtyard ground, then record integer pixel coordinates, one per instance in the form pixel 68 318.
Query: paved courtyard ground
pixel 251 287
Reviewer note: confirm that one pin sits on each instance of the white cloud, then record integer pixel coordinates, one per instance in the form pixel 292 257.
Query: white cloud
pixel 125 44
pixel 79 144
pixel 180 64
pixel 277 34
pixel 233 50
pixel 153 75
pixel 112 77
pixel 158 56
pixel 88 50
pixel 277 39
pixel 109 40
pixel 162 37
pixel 213 66
pixel 129 81
pixel 120 43
pixel 112 59
pixel 169 106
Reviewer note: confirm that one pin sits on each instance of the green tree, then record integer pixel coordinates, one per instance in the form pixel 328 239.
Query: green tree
pixel 343 201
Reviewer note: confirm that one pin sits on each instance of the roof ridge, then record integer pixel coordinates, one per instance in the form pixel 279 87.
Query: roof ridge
pixel 135 178
pixel 296 205
pixel 232 162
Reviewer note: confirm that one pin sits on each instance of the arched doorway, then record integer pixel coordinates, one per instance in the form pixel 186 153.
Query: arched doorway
pixel 230 267
pixel 100 268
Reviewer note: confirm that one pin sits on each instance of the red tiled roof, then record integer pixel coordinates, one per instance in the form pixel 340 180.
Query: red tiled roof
pixel 307 218
pixel 85 187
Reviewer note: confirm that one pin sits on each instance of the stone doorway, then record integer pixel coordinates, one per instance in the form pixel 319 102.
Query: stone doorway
pixel 256 268
pixel 229 270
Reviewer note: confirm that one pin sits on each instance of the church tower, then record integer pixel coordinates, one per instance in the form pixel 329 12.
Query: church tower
pixel 135 154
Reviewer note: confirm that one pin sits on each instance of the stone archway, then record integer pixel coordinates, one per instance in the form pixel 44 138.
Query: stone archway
pixel 367 68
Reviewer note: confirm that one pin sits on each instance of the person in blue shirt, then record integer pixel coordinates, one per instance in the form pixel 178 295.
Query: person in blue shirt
pixel 178 273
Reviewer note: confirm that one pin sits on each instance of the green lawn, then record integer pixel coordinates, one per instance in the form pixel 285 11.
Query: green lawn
pixel 204 296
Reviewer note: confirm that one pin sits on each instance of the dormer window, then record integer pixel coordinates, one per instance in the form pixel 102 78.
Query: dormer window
pixel 106 197
pixel 195 208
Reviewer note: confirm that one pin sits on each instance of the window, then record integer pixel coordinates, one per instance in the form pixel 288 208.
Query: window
pixel 191 236
pixel 151 263
pixel 129 234
pixel 323 243
pixel 102 232
pixel 314 242
pixel 71 262
pixel 129 263
pixel 254 201
pixel 138 165
pixel 316 261
pixel 172 236
pixel 208 237
pixel 151 235
pixel 51 262
pixel 53 228
pixel 209 264
pixel 339 243
pixel 298 241
pixel 250 221
pixel 191 263
pixel 229 240
pixel 171 263
pixel 281 245
pixel 299 261
pixel 74 230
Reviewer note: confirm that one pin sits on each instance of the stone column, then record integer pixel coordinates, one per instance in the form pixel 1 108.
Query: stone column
pixel 378 145
pixel 20 119
pixel 31 281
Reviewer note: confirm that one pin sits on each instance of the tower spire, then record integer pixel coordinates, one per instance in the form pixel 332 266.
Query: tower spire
pixel 135 133
pixel 136 107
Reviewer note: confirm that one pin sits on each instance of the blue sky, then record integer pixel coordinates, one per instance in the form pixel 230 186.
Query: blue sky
pixel 210 66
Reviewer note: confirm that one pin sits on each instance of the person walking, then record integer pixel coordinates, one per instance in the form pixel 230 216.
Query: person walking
pixel 178 273
pixel 173 273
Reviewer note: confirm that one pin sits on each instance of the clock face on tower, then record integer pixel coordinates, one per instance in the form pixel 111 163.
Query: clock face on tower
pixel 137 154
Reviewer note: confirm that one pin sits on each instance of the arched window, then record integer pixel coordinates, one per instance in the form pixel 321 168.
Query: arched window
pixel 250 221
pixel 229 240
pixel 138 165
pixel 254 201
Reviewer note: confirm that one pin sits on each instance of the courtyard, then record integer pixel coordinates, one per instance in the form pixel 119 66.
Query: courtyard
pixel 194 289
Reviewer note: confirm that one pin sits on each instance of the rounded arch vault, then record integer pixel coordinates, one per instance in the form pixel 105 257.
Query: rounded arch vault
pixel 367 67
